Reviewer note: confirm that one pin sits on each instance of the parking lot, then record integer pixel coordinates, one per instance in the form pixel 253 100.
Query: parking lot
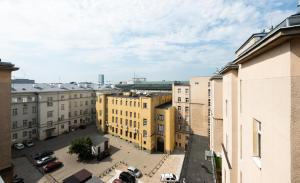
pixel 121 151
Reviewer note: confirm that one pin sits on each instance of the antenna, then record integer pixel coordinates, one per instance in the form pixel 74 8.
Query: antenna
pixel 298 6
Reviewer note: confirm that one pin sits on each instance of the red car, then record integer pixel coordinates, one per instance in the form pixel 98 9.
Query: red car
pixel 51 166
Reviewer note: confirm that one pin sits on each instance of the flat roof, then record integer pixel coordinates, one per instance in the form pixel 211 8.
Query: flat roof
pixel 8 66
pixel 165 105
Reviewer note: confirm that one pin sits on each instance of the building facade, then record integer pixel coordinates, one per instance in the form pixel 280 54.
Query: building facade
pixel 46 110
pixel 216 114
pixel 6 168
pixel 190 100
pixel 132 117
pixel 261 108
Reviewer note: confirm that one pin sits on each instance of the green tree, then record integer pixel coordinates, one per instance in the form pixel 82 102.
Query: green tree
pixel 82 147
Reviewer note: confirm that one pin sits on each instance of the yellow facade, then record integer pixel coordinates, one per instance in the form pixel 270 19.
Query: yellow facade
pixel 131 117
pixel 165 128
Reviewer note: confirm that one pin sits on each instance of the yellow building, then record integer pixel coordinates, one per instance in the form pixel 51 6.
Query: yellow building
pixel 133 117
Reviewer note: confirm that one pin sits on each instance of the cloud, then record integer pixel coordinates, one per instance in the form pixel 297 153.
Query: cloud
pixel 182 37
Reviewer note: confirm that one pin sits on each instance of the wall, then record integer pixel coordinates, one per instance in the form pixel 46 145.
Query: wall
pixel 265 95
pixel 229 167
pixel 5 114
pixel 199 105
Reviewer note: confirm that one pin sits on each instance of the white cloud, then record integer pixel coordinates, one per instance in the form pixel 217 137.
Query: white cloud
pixel 127 33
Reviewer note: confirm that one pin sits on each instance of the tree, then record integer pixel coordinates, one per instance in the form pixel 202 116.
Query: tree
pixel 82 147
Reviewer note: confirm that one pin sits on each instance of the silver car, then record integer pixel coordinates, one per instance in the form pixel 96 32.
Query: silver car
pixel 134 172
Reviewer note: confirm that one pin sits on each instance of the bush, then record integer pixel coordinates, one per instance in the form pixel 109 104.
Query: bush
pixel 82 147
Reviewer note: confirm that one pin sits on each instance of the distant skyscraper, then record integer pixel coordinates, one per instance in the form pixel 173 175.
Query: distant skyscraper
pixel 101 79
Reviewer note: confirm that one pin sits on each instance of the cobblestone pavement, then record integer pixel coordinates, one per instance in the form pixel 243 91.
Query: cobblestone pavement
pixel 120 151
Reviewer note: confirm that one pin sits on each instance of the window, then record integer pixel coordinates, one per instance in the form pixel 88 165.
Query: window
pixel 25 123
pixel 33 131
pixel 24 133
pixel 179 99
pixel 113 111
pixel 14 100
pixel 144 105
pixel 179 136
pixel 179 108
pixel 15 111
pixel 256 138
pixel 100 100
pixel 160 129
pixel 186 100
pixel 80 95
pixel 87 102
pixel 81 103
pixel 34 121
pixel 144 133
pixel 130 114
pixel 15 124
pixel 62 97
pixel 62 106
pixel 179 90
pixel 144 122
pixel 134 114
pixel 226 106
pixel 34 109
pixel 186 109
pixel 49 101
pixel 130 123
pixel 241 142
pixel 186 90
pixel 134 124
pixel 160 117
pixel 50 114
pixel 25 109
pixel 62 126
pixel 75 104
pixel 24 99
pixel 130 103
pixel 62 117
pixel 15 136
pixel 49 123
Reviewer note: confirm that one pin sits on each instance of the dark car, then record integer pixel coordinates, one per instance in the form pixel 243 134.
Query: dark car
pixel 17 179
pixel 117 181
pixel 45 160
pixel 43 154
pixel 127 177
pixel 52 166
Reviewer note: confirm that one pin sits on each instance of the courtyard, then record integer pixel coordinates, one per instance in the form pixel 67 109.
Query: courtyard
pixel 123 154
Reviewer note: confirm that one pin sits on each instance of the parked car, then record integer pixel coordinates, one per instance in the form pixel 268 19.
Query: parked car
pixel 28 143
pixel 82 126
pixel 18 146
pixel 40 155
pixel 51 166
pixel 134 171
pixel 117 181
pixel 17 179
pixel 127 177
pixel 169 177
pixel 45 160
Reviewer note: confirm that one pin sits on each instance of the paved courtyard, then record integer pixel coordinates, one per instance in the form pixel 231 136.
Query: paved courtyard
pixel 121 151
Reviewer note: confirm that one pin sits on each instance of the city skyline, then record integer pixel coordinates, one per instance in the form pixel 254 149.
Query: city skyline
pixel 67 41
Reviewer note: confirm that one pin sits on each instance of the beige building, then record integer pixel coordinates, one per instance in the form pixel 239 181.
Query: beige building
pixel 261 108
pixel 6 169
pixel 190 100
pixel 45 110
pixel 216 114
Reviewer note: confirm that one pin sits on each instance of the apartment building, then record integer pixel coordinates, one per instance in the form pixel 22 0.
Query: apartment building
pixel 261 108
pixel 190 100
pixel 216 114
pixel 6 168
pixel 138 118
pixel 46 110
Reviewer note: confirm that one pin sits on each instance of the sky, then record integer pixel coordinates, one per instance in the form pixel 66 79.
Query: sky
pixel 75 40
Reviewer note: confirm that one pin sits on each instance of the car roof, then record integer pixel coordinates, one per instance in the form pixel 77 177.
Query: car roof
pixel 131 168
